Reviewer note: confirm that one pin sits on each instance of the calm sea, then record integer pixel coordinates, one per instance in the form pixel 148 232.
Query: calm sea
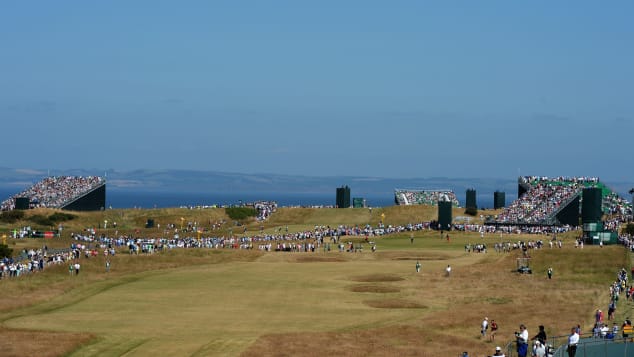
pixel 145 199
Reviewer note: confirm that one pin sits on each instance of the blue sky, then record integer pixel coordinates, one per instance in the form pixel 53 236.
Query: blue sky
pixel 390 89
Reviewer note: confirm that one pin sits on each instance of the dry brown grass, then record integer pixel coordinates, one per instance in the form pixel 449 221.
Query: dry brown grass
pixel 388 341
pixel 313 259
pixel 374 288
pixel 405 255
pixel 39 343
pixel 451 309
pixel 448 310
pixel 375 278
pixel 394 304
pixel 455 306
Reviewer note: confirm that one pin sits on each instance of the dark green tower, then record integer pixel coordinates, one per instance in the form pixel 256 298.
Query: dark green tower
pixel 471 199
pixel 343 197
pixel 499 200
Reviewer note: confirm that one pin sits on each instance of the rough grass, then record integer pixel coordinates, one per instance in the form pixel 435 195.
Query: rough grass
pixel 394 304
pixel 374 288
pixel 376 278
pixel 18 343
pixel 209 302
pixel 313 259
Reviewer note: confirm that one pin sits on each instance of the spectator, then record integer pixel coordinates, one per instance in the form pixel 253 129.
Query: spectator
pixel 522 341
pixel 541 335
pixel 498 352
pixel 484 327
pixel 573 340
pixel 494 329
pixel 539 350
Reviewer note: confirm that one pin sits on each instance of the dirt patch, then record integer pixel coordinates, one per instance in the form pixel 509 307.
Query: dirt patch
pixel 394 304
pixel 376 278
pixel 320 260
pixel 373 288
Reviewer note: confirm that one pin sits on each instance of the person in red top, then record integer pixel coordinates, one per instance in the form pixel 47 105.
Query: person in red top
pixel 494 330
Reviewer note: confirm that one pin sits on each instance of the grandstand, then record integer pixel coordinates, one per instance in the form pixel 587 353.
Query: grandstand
pixel 75 193
pixel 555 201
pixel 406 197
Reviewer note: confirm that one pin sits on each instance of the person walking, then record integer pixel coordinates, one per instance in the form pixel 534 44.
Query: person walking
pixel 573 340
pixel 448 270
pixel 550 273
pixel 494 330
pixel 484 327
pixel 417 266
pixel 107 265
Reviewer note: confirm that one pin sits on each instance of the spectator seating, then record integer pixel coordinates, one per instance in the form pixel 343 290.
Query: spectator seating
pixel 55 191
pixel 424 197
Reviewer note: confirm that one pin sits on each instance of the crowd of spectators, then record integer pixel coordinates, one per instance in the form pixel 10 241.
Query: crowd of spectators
pixel 264 209
pixel 32 260
pixel 55 191
pixel 424 197
pixel 543 199
pixel 601 328
pixel 615 205
pixel 538 179
pixel 511 229
pixel 320 237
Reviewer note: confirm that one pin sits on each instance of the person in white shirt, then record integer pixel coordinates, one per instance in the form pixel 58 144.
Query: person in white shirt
pixel 573 340
pixel 485 326
pixel 604 330
pixel 538 349
pixel 522 341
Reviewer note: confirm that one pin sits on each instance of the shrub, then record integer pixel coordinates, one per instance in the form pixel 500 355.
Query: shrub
pixel 5 251
pixel 629 229
pixel 240 213
pixel 11 216
pixel 61 217
pixel 41 220
pixel 471 211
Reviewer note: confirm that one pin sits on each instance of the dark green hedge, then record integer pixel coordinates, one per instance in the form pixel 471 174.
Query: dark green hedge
pixel 240 213
pixel 5 251
pixel 11 216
